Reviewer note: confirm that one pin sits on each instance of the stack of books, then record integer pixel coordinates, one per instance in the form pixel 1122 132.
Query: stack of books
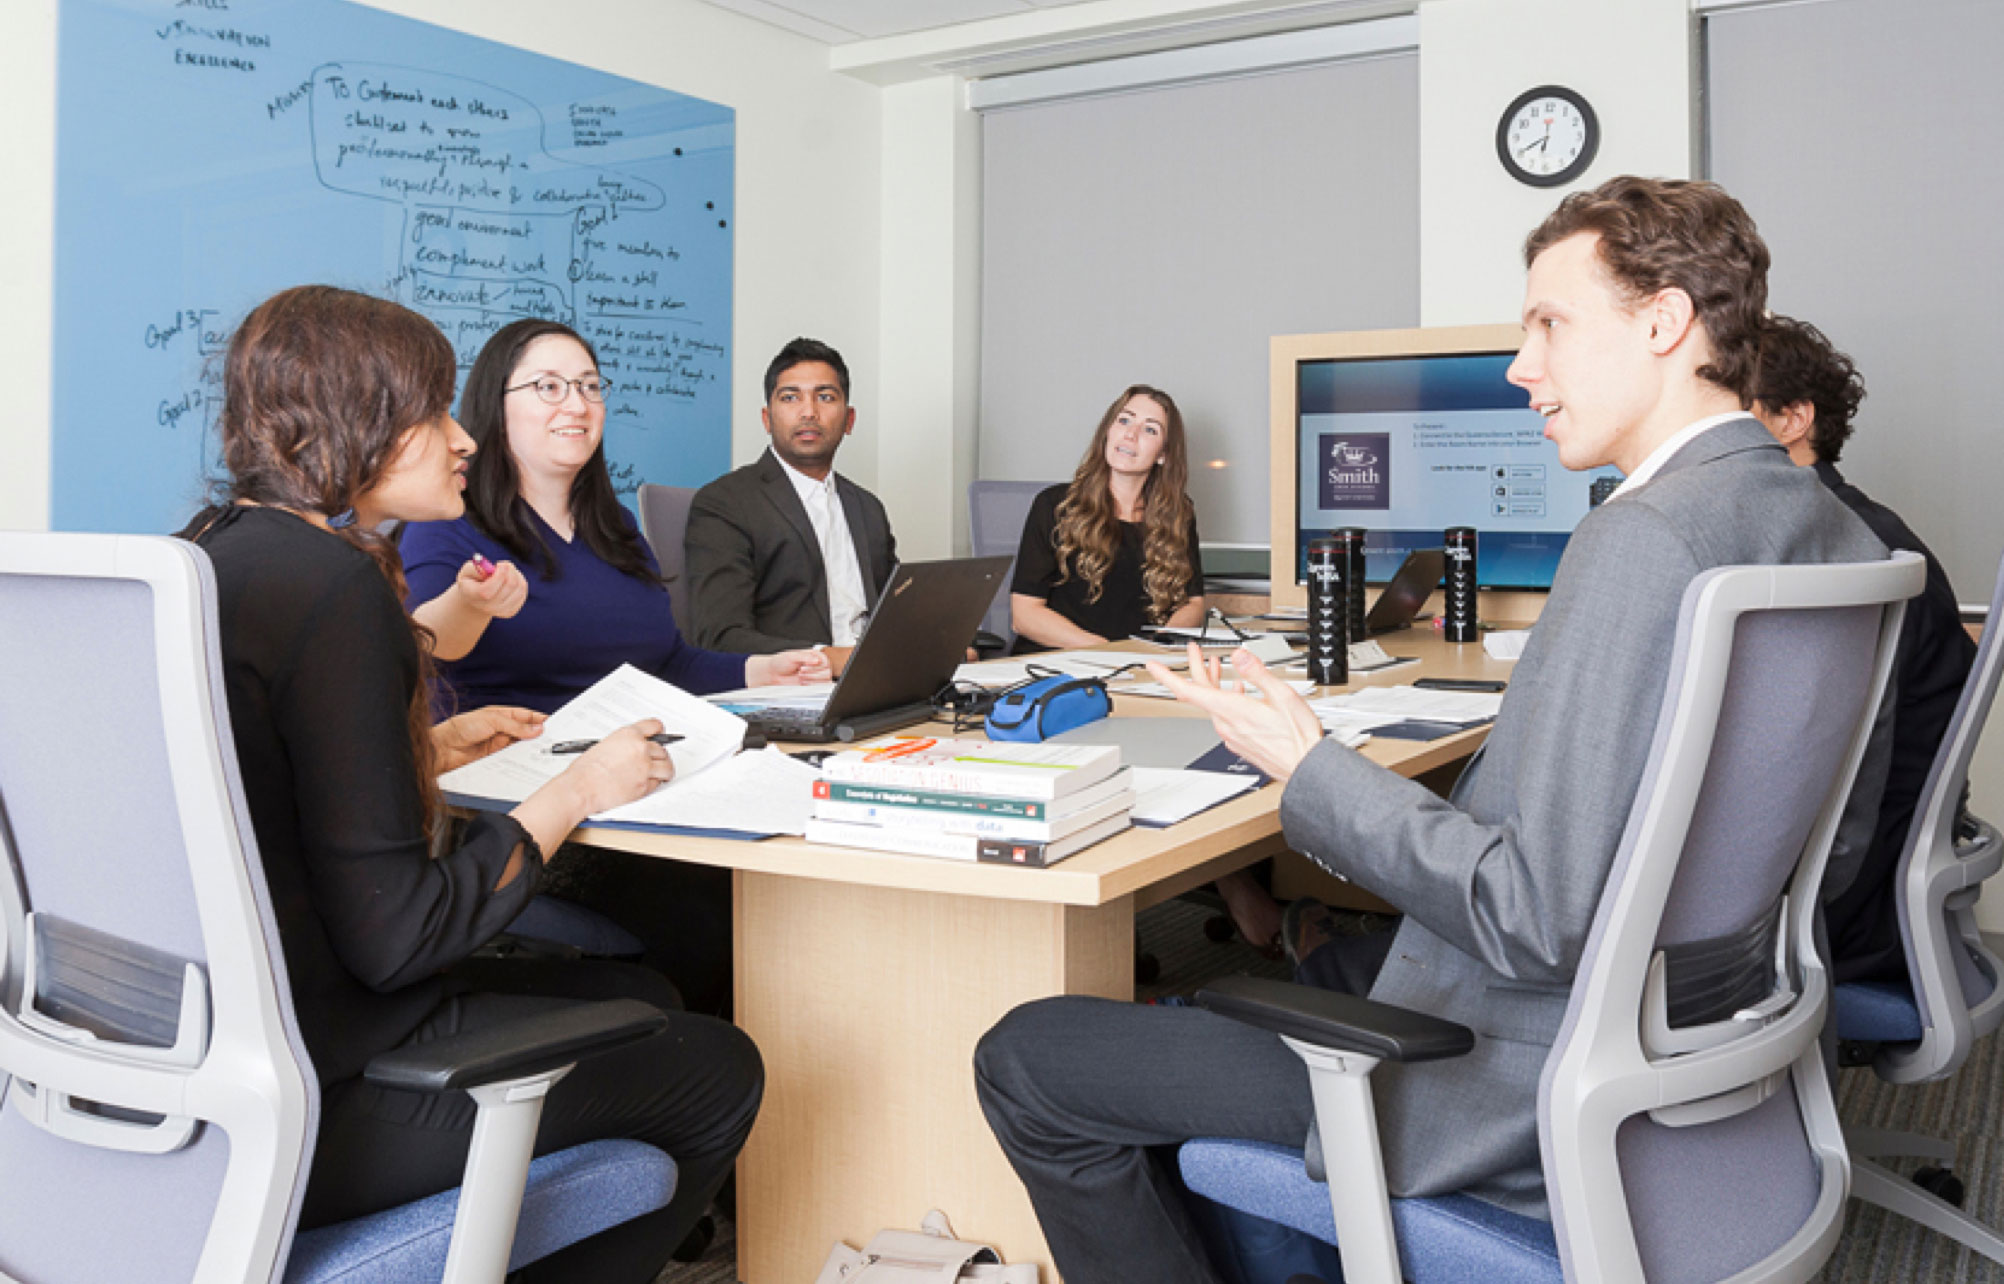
pixel 1011 803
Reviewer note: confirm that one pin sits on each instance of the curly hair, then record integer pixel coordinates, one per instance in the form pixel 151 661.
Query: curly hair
pixel 1798 364
pixel 1088 523
pixel 321 387
pixel 1658 234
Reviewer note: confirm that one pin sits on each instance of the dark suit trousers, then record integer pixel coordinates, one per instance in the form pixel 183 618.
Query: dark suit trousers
pixel 692 1091
pixel 1089 1099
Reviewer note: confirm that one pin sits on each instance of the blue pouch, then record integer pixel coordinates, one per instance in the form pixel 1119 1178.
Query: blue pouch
pixel 1047 707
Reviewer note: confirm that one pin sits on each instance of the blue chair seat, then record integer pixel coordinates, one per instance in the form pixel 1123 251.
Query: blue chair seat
pixel 1453 1237
pixel 1876 1012
pixel 571 1195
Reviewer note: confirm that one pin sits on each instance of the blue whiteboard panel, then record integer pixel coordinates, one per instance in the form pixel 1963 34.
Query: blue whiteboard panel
pixel 213 152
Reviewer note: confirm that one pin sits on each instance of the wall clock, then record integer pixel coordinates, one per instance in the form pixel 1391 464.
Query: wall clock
pixel 1547 136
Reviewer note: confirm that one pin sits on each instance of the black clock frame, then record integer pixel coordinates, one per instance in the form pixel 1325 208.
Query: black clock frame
pixel 1569 173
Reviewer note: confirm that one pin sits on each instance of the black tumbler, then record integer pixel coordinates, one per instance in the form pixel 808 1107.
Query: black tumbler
pixel 1328 614
pixel 1460 611
pixel 1351 538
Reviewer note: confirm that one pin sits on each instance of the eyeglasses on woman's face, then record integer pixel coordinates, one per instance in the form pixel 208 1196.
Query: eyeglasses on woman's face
pixel 553 389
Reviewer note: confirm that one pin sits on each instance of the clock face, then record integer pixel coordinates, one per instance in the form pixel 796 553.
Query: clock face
pixel 1547 137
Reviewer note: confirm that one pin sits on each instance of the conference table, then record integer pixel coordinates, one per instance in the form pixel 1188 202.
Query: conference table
pixel 866 979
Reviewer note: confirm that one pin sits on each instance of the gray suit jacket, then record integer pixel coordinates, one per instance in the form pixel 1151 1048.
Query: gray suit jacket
pixel 756 582
pixel 1500 883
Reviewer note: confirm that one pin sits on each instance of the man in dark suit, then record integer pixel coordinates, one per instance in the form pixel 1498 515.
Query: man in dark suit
pixel 1642 320
pixel 1806 394
pixel 786 553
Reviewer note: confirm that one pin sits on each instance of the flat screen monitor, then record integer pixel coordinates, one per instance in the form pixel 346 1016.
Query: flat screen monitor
pixel 1408 432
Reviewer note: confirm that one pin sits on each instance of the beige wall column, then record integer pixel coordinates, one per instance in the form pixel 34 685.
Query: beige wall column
pixel 931 303
pixel 1636 63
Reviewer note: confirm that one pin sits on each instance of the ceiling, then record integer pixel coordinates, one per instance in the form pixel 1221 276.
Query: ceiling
pixel 840 22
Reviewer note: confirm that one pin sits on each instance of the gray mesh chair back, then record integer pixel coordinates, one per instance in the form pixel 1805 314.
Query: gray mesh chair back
pixel 1925 1031
pixel 154 1077
pixel 996 511
pixel 664 520
pixel 1701 1141
pixel 1954 974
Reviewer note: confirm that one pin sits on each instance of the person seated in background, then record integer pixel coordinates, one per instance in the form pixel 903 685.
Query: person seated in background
pixel 335 419
pixel 1806 394
pixel 538 496
pixel 1642 326
pixel 786 552
pixel 1115 551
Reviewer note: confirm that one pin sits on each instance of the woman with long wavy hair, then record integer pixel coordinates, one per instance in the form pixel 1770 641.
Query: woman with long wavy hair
pixel 1116 550
pixel 335 421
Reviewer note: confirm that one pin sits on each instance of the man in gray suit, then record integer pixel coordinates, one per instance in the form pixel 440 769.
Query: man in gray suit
pixel 786 553
pixel 1641 320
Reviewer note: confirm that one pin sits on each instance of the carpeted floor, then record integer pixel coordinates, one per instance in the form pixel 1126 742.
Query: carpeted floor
pixel 1876 1247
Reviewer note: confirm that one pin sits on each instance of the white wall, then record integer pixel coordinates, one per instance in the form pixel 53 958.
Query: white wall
pixel 27 259
pixel 1634 62
pixel 931 298
pixel 808 192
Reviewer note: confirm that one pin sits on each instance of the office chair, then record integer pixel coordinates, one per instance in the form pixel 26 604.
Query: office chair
pixel 1686 1121
pixel 996 511
pixel 664 520
pixel 157 1107
pixel 1923 1031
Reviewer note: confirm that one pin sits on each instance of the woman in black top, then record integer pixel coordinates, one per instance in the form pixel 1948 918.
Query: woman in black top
pixel 1115 551
pixel 334 422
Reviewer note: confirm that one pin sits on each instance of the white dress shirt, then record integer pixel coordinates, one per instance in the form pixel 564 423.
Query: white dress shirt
pixel 848 602
pixel 1661 455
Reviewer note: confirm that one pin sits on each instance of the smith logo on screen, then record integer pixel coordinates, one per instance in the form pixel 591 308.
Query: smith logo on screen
pixel 1357 470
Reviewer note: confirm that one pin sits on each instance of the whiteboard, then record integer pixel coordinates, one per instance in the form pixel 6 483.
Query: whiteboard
pixel 213 152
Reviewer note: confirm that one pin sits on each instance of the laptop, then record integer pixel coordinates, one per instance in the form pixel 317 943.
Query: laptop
pixel 916 638
pixel 1411 585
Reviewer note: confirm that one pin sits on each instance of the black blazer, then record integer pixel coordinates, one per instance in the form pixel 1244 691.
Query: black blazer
pixel 756 582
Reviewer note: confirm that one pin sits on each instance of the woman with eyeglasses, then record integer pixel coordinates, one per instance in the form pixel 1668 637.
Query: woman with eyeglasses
pixel 337 419
pixel 546 586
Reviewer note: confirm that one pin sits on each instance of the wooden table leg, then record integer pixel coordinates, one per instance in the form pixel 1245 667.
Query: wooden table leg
pixel 866 1004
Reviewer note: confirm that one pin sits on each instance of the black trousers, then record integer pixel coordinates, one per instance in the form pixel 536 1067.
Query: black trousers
pixel 692 1090
pixel 1089 1099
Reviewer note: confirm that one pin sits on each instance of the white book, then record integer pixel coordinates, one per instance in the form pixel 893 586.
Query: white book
pixel 919 842
pixel 1011 769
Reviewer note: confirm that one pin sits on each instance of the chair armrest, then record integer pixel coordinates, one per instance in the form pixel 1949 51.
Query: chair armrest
pixel 517 1049
pixel 1331 1019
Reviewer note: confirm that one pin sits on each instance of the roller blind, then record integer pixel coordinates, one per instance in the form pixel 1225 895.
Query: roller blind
pixel 1162 236
pixel 1861 135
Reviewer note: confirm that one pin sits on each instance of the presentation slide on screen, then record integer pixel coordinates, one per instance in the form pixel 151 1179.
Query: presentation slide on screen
pixel 1407 447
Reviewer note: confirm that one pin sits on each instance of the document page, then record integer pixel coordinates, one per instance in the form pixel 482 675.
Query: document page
pixel 761 792
pixel 624 696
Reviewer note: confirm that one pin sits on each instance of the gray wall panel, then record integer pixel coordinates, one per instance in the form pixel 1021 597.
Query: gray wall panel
pixel 1862 135
pixel 1162 237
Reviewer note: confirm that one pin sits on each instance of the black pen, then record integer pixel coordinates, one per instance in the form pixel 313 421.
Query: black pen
pixel 579 746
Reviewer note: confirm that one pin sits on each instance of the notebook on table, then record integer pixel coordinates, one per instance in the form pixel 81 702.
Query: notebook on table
pixel 916 638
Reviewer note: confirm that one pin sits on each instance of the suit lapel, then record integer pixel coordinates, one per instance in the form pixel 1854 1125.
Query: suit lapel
pixel 777 487
pixel 867 557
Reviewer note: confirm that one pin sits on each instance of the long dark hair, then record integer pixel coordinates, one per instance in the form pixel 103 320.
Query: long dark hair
pixel 494 484
pixel 1088 528
pixel 320 388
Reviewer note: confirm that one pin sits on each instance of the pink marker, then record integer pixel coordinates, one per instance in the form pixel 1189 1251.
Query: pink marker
pixel 481 564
